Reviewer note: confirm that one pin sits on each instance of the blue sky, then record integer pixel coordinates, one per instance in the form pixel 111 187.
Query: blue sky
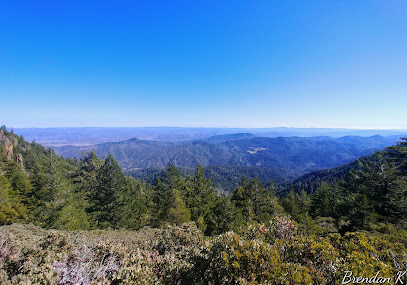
pixel 204 63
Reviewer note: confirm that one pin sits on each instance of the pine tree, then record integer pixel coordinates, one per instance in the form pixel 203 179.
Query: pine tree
pixel 325 201
pixel 104 204
pixel 164 194
pixel 398 154
pixel 265 204
pixel 85 177
pixel 177 213
pixel 134 202
pixel 10 209
pixel 221 218
pixel 378 182
pixel 200 197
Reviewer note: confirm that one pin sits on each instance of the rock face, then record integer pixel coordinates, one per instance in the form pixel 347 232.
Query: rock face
pixel 14 141
pixel 19 160
pixel 7 144
pixel 9 153
pixel 10 142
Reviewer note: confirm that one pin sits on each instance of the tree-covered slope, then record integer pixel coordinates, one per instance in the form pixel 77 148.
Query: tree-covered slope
pixel 225 178
pixel 260 236
pixel 296 154
pixel 312 180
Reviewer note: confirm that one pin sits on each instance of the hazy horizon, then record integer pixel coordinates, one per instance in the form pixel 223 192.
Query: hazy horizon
pixel 96 135
pixel 209 127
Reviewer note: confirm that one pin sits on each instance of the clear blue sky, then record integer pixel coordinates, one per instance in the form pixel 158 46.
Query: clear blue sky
pixel 204 63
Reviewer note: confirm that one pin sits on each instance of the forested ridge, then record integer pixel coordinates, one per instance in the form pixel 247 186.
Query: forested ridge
pixel 355 219
pixel 295 155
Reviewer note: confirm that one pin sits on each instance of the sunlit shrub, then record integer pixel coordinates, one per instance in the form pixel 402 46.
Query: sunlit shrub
pixel 271 253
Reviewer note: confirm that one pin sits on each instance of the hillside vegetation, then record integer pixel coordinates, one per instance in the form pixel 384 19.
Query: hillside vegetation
pixel 277 252
pixel 189 234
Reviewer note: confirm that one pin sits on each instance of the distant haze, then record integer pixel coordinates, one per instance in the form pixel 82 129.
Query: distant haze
pixel 90 136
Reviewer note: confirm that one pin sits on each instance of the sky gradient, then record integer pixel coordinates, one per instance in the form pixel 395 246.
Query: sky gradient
pixel 336 64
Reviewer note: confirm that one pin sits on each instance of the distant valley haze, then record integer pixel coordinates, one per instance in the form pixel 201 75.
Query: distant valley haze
pixel 95 135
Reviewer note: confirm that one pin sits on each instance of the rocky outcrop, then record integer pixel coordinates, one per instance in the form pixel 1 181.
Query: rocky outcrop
pixel 9 152
pixel 8 144
pixel 14 141
pixel 19 160
pixel 26 147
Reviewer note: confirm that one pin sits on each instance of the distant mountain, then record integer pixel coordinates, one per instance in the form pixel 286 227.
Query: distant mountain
pixel 296 154
pixel 91 136
pixel 231 137
pixel 129 153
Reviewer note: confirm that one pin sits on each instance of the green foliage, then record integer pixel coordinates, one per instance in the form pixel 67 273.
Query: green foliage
pixel 277 253
pixel 366 204
pixel 104 202
pixel 297 205
pixel 85 178
pixel 10 210
pixel 177 211
pixel 398 154
pixel 200 198
pixel 253 203
pixel 135 204
pixel 221 218
pixel 327 201
pixel 371 193
pixel 164 196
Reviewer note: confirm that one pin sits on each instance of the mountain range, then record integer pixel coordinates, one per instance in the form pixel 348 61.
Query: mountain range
pixel 297 154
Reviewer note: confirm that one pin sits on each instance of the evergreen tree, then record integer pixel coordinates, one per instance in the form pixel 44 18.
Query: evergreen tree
pixel 241 198
pixel 243 207
pixel 134 201
pixel 19 181
pixel 297 205
pixel 71 214
pixel 378 183
pixel 200 197
pixel 221 218
pixel 177 213
pixel 326 201
pixel 85 177
pixel 398 154
pixel 50 188
pixel 165 197
pixel 10 209
pixel 265 204
pixel 104 204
